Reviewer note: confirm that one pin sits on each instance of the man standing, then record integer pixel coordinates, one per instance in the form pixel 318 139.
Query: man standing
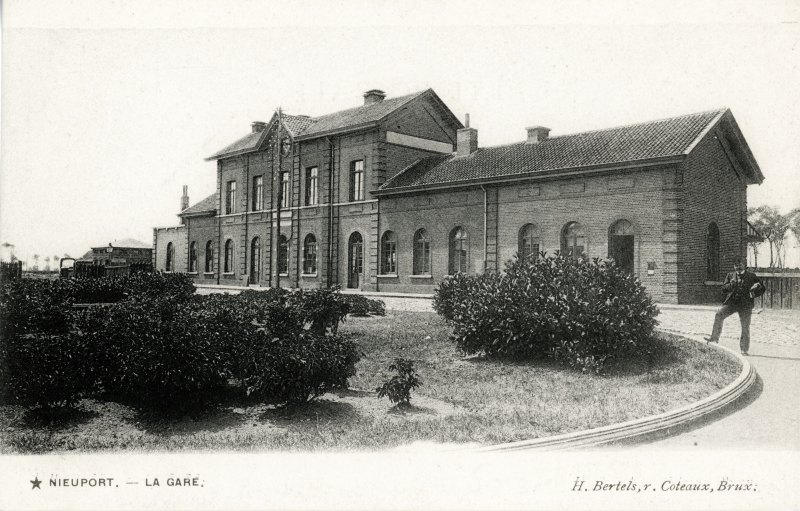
pixel 741 287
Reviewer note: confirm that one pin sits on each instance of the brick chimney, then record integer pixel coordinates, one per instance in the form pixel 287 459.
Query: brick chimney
pixel 185 198
pixel 373 96
pixel 537 134
pixel 466 140
pixel 259 126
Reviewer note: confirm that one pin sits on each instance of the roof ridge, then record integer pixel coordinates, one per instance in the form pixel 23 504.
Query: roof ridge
pixel 630 125
pixel 509 144
pixel 406 97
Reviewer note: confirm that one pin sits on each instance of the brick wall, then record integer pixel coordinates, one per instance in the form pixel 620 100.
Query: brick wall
pixel 712 192
pixel 551 205
pixel 163 237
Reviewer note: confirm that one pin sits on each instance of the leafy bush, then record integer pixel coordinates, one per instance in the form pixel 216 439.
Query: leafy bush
pixel 584 313
pixel 362 306
pixel 161 354
pixel 321 309
pixel 45 370
pixel 297 369
pixel 398 388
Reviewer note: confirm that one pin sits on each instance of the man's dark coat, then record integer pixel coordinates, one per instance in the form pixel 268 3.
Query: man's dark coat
pixel 737 289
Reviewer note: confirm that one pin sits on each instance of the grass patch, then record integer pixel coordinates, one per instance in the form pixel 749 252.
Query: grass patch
pixel 462 400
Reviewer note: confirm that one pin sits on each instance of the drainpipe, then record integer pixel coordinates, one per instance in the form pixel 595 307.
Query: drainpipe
pixel 219 223
pixel 330 210
pixel 485 223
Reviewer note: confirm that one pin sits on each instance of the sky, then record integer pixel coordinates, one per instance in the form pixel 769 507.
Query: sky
pixel 109 108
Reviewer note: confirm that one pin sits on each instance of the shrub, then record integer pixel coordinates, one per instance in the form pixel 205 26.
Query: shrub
pixel 45 370
pixel 164 355
pixel 362 306
pixel 321 309
pixel 297 369
pixel 398 388
pixel 584 313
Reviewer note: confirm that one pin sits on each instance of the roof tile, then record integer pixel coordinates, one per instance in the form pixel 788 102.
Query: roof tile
pixel 655 139
pixel 209 204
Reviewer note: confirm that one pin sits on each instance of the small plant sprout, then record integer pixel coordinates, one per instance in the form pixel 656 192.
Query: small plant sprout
pixel 398 388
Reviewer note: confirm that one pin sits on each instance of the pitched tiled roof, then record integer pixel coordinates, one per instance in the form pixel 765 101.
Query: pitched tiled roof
pixel 357 116
pixel 294 123
pixel 646 141
pixel 209 204
pixel 304 126
pixel 127 243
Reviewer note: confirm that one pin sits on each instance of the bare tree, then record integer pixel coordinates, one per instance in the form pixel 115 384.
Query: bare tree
pixel 47 263
pixel 35 262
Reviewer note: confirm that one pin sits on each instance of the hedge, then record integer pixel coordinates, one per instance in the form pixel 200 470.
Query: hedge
pixel 584 313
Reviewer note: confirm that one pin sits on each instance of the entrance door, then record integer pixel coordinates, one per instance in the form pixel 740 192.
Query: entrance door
pixel 620 245
pixel 255 261
pixel 355 261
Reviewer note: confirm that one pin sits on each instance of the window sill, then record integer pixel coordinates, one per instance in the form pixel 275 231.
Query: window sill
pixel 191 273
pixel 283 275
pixel 391 276
pixel 420 276
pixel 712 283
pixel 309 275
pixel 228 274
pixel 209 274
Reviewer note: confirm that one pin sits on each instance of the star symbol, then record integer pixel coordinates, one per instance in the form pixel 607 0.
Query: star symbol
pixel 36 482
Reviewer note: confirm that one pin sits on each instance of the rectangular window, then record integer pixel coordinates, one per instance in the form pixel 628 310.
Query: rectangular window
pixel 258 193
pixel 285 198
pixel 312 175
pixel 230 202
pixel 357 180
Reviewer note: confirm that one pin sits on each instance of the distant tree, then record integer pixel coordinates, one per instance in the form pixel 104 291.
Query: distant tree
pixel 794 225
pixel 10 248
pixel 47 263
pixel 35 262
pixel 773 226
pixel 56 260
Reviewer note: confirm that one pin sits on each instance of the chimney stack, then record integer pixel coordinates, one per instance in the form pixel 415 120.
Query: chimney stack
pixel 259 126
pixel 185 198
pixel 466 140
pixel 537 134
pixel 373 96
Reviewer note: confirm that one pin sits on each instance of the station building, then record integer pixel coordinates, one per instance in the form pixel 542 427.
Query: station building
pixel 396 194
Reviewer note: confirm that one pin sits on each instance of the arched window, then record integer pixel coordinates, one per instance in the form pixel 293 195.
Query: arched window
pixel 209 257
pixel 459 251
pixel 422 253
pixel 620 244
pixel 573 241
pixel 255 260
pixel 193 257
pixel 388 253
pixel 355 260
pixel 310 255
pixel 712 252
pixel 283 255
pixel 228 267
pixel 170 257
pixel 528 242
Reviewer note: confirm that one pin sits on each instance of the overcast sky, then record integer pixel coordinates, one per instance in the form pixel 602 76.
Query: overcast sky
pixel 108 109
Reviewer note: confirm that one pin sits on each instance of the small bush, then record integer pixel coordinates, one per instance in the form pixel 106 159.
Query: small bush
pixel 398 388
pixel 296 369
pixel 584 313
pixel 361 306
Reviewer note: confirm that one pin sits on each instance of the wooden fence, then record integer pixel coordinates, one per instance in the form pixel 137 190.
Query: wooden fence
pixel 10 271
pixel 783 291
pixel 83 270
